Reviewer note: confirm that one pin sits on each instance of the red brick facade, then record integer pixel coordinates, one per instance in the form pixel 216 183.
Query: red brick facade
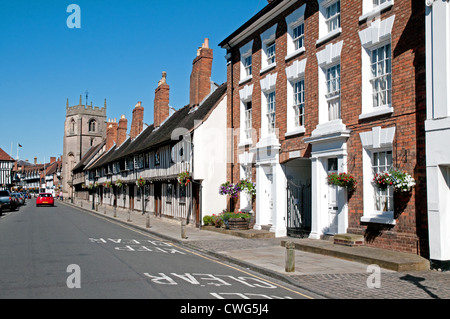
pixel 410 232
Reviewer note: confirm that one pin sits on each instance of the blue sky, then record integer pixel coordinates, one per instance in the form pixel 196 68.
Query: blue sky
pixel 118 53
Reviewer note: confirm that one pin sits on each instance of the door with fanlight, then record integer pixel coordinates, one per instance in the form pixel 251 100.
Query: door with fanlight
pixel 332 197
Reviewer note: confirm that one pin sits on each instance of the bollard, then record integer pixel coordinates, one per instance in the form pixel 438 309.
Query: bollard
pixel 115 211
pixel 129 215
pixel 147 222
pixel 183 229
pixel 81 204
pixel 290 257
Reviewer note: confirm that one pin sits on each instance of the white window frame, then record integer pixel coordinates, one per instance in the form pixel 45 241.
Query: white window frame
pixel 333 93
pixel 329 58
pixel 245 95
pixel 268 38
pixel 268 84
pixel 324 33
pixel 380 196
pixel 384 76
pixel 374 141
pixel 370 9
pixel 246 52
pixel 271 108
pixel 376 36
pixel 293 21
pixel 294 73
pixel 248 127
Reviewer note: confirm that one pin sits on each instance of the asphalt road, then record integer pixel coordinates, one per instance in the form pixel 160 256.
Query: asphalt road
pixel 63 253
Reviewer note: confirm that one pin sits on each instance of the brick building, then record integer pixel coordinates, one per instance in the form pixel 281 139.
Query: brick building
pixel 324 86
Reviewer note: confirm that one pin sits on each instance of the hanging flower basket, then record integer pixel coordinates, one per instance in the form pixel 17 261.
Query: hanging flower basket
pixel 83 186
pixel 229 189
pixel 119 183
pixel 91 186
pixel 342 179
pixel 401 181
pixel 107 184
pixel 184 178
pixel 140 182
pixel 247 186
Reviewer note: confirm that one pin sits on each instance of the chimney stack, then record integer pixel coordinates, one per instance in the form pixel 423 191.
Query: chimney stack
pixel 52 160
pixel 201 74
pixel 122 130
pixel 161 103
pixel 35 160
pixel 137 122
pixel 111 134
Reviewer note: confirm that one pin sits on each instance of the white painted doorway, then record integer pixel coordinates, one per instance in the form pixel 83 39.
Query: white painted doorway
pixel 332 196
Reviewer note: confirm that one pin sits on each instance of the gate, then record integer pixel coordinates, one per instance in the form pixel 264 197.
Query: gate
pixel 298 209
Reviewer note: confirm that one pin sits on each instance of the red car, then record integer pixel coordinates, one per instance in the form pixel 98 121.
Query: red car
pixel 45 199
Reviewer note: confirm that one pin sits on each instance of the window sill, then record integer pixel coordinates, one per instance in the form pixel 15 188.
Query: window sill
pixel 245 143
pixel 380 111
pixel 296 131
pixel 294 54
pixel 329 36
pixel 376 11
pixel 246 79
pixel 378 219
pixel 267 68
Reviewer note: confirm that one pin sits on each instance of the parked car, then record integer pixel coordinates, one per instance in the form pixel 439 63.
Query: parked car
pixel 20 199
pixel 45 199
pixel 7 201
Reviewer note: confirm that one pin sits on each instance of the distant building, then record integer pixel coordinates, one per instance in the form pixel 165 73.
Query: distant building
pixel 84 127
pixel 6 166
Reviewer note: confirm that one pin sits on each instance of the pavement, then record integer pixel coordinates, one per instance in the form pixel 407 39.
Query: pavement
pixel 322 267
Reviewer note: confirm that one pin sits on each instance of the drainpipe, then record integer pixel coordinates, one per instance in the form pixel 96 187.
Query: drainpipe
pixel 232 117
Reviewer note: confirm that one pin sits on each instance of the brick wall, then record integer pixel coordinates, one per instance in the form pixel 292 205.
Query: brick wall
pixel 408 99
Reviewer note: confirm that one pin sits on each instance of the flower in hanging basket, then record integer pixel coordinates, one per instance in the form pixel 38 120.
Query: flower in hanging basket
pixel 399 180
pixel 247 186
pixel 83 186
pixel 96 185
pixel 184 178
pixel 228 188
pixel 119 183
pixel 91 186
pixel 402 181
pixel 342 179
pixel 140 182
pixel 383 180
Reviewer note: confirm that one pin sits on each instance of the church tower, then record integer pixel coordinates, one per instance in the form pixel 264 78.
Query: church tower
pixel 84 127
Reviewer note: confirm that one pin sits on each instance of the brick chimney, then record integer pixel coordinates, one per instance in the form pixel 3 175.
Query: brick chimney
pixel 137 122
pixel 52 160
pixel 161 103
pixel 201 74
pixel 122 130
pixel 111 133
